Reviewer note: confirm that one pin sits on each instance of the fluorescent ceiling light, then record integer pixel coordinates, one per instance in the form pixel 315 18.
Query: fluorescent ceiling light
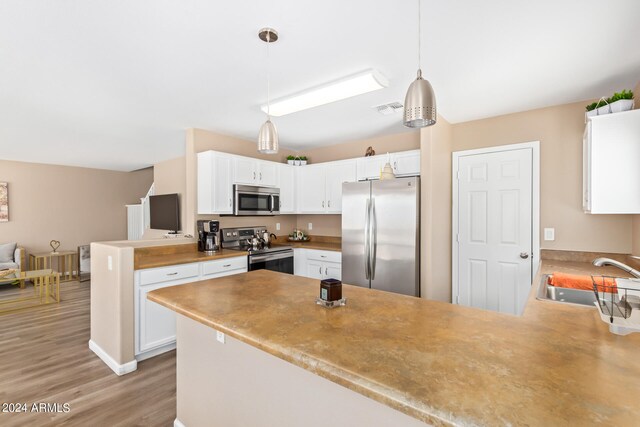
pixel 356 84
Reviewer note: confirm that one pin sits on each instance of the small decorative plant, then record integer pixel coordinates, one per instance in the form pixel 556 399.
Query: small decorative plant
pixel 625 94
pixel 290 159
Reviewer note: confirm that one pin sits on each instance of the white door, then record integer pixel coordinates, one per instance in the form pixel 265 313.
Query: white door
pixel 157 324
pixel 244 171
pixel 223 188
pixel 311 189
pixel 267 173
pixel 336 174
pixel 495 224
pixel 287 188
pixel 406 163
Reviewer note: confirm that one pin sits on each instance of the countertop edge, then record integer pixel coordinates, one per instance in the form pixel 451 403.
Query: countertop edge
pixel 323 369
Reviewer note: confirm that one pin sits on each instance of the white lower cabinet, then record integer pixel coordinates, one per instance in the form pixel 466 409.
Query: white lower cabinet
pixel 155 325
pixel 317 264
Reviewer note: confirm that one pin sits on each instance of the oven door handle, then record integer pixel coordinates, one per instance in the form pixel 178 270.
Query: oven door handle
pixel 254 259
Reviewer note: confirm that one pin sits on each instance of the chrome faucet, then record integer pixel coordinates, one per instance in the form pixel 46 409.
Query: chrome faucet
pixel 599 262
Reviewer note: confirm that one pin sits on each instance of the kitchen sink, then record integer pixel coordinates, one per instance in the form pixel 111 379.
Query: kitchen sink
pixel 566 295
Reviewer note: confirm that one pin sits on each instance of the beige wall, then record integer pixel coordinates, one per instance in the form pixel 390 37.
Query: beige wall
pixel 435 213
pixel 323 225
pixel 409 140
pixel 636 218
pixel 74 205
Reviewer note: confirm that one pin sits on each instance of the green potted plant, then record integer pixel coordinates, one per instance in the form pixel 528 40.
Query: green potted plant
pixel 303 160
pixel 621 101
pixel 291 159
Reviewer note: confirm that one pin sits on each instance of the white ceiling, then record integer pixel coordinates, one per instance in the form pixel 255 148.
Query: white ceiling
pixel 113 84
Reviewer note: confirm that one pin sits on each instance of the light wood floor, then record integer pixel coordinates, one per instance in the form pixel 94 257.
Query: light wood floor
pixel 45 357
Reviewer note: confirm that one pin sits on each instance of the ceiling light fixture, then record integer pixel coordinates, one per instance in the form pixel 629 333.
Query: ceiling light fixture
pixel 347 87
pixel 268 135
pixel 420 102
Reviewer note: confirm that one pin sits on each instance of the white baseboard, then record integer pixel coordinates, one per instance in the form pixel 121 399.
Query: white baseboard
pixel 156 351
pixel 177 423
pixel 110 362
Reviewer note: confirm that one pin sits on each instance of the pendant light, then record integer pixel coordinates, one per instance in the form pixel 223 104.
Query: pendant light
pixel 268 135
pixel 420 102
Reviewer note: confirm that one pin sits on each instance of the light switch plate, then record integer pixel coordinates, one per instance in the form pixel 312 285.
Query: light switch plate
pixel 220 336
pixel 310 226
pixel 550 234
pixel 277 226
pixel 109 263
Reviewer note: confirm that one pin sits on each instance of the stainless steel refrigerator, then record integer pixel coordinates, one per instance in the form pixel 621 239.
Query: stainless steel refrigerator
pixel 381 235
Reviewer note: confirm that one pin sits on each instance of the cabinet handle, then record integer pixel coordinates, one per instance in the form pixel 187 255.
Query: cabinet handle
pixel 281 203
pixel 329 203
pixel 260 176
pixel 226 265
pixel 395 165
pixel 254 176
pixel 323 256
pixel 229 201
pixel 326 271
pixel 172 274
pixel 320 270
pixel 323 203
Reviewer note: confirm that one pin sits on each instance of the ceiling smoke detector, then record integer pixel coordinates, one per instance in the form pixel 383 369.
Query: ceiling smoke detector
pixel 390 108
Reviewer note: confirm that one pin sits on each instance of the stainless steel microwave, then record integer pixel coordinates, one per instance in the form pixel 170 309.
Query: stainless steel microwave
pixel 249 200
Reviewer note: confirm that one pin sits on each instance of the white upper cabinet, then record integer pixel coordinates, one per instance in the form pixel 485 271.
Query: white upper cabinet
pixel 286 182
pixel 311 188
pixel 248 171
pixel 215 189
pixel 404 163
pixel 315 188
pixel 611 176
pixel 267 173
pixel 337 173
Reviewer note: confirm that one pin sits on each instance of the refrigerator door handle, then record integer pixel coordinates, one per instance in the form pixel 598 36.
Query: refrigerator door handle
pixel 366 241
pixel 372 239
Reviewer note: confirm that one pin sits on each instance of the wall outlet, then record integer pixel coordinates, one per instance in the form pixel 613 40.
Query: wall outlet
pixel 549 234
pixel 220 336
pixel 109 263
pixel 277 226
pixel 310 226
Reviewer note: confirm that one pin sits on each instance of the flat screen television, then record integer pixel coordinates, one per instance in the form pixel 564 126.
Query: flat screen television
pixel 164 212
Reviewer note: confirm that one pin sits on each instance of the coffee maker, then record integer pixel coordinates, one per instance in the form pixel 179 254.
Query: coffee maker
pixel 208 236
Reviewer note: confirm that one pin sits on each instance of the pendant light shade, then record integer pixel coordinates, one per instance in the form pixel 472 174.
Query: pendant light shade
pixel 268 135
pixel 268 138
pixel 420 102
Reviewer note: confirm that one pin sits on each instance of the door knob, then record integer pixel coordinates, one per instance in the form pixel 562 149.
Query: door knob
pixel 524 255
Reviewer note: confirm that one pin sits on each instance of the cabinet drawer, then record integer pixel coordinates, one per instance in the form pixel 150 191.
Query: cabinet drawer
pixel 330 256
pixel 222 265
pixel 166 274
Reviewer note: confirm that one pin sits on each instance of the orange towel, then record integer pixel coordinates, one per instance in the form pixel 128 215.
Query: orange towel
pixel 573 281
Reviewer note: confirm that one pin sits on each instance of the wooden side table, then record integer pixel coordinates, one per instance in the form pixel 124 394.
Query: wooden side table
pixel 66 263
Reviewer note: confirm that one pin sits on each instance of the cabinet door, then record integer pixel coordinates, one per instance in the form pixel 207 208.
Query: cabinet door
pixel 370 167
pixel 245 171
pixel 332 270
pixel 205 182
pixel 287 188
pixel 336 174
pixel 311 189
pixel 315 269
pixel 299 262
pixel 157 324
pixel 406 163
pixel 267 174
pixel 223 187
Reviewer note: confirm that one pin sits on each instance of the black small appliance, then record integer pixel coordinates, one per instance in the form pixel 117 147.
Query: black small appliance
pixel 208 236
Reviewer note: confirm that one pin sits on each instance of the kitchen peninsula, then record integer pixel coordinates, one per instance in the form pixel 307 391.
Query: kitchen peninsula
pixel 254 349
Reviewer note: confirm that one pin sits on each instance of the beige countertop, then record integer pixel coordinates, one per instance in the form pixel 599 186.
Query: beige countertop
pixel 438 362
pixel 162 256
